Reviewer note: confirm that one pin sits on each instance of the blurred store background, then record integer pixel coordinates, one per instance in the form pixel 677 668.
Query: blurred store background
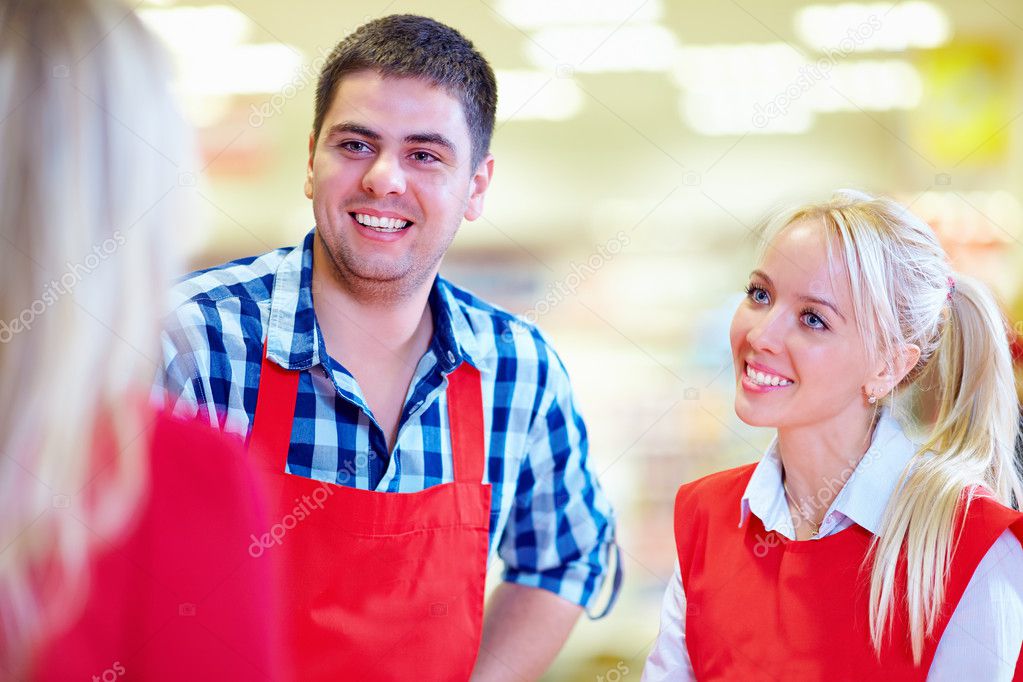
pixel 638 144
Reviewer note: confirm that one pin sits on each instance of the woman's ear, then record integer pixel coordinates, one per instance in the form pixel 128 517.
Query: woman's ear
pixel 903 363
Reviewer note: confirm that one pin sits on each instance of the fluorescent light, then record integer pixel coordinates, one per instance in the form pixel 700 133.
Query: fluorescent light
pixel 212 57
pixel 596 49
pixel 758 68
pixel 195 27
pixel 530 14
pixel 536 95
pixel 872 85
pixel 856 27
pixel 727 87
pixel 772 88
pixel 730 114
pixel 241 69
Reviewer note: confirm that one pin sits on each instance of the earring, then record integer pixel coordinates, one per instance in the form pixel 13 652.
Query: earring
pixel 871 398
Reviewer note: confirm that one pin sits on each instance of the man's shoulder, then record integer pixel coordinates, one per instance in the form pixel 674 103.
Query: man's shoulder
pixel 510 334
pixel 248 279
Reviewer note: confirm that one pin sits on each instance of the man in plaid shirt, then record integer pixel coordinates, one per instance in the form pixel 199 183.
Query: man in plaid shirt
pixel 398 156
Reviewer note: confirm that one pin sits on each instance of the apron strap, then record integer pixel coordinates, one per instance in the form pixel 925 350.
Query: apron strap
pixel 465 422
pixel 275 416
pixel 275 412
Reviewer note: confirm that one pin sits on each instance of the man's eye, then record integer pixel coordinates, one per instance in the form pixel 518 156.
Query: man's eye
pixel 424 157
pixel 355 146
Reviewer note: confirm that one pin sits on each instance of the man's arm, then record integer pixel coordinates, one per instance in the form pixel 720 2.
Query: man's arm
pixel 558 544
pixel 523 630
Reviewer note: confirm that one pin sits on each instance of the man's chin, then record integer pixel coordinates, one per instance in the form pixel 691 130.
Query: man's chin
pixel 382 281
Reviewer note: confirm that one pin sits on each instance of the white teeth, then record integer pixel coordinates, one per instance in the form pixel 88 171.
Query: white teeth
pixel 765 379
pixel 381 224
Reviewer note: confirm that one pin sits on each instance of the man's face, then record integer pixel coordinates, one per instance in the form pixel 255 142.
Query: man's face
pixel 390 180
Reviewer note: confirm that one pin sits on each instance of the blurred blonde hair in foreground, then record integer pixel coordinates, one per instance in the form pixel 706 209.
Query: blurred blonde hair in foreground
pixel 93 149
pixel 902 291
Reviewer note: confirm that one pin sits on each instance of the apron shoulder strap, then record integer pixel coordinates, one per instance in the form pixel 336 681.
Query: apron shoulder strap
pixel 274 418
pixel 465 422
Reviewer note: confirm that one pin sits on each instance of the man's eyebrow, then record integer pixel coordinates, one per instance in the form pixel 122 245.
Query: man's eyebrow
pixel 349 127
pixel 812 299
pixel 431 138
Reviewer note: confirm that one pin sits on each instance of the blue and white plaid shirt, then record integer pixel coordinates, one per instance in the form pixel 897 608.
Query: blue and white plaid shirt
pixel 549 519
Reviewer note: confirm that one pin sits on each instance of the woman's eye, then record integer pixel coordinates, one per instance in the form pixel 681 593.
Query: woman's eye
pixel 757 295
pixel 813 321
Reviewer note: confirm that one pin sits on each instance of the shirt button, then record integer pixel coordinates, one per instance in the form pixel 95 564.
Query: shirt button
pixel 451 357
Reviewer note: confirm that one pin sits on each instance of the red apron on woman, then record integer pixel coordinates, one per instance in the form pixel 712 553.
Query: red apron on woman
pixel 762 607
pixel 378 586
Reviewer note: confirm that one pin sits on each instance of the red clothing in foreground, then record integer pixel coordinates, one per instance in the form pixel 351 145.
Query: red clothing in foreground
pixel 178 596
pixel 762 607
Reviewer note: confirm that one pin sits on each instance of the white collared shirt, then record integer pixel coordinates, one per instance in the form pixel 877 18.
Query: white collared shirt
pixel 985 633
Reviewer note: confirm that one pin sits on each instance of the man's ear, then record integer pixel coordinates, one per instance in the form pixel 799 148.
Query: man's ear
pixel 309 166
pixel 478 185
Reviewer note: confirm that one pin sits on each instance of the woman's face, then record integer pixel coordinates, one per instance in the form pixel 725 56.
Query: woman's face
pixel 799 357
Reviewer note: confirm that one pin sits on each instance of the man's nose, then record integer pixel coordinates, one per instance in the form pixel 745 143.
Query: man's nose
pixel 384 176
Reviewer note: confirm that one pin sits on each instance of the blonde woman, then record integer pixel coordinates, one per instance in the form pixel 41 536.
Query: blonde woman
pixel 123 532
pixel 850 552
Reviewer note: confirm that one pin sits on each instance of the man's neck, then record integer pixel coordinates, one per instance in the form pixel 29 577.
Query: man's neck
pixel 355 326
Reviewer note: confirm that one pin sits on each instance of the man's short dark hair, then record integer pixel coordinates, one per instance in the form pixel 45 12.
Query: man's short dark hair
pixel 410 46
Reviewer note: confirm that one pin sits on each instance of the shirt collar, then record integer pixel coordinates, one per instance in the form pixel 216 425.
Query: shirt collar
pixel 293 335
pixel 863 498
pixel 454 338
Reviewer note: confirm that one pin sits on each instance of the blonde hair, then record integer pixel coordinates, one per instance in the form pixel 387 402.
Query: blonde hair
pixel 93 151
pixel 902 293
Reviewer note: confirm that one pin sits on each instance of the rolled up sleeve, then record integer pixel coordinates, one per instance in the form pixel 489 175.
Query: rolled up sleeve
pixel 561 529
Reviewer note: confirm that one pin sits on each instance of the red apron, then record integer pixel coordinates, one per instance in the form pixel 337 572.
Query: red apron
pixel 377 586
pixel 762 607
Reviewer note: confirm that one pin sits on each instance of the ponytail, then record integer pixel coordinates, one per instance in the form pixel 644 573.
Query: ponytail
pixel 972 443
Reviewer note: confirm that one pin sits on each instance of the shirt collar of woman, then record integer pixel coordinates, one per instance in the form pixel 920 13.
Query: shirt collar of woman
pixel 861 497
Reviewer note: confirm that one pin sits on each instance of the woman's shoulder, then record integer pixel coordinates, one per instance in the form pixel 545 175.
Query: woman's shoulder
pixel 172 434
pixel 187 552
pixel 715 486
pixel 191 451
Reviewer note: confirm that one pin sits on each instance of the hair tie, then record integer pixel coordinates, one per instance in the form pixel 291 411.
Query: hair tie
pixel 951 287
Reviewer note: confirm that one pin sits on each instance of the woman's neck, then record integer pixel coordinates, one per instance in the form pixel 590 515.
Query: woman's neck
pixel 818 459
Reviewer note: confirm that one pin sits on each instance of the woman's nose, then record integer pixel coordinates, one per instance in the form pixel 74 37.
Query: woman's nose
pixel 767 334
